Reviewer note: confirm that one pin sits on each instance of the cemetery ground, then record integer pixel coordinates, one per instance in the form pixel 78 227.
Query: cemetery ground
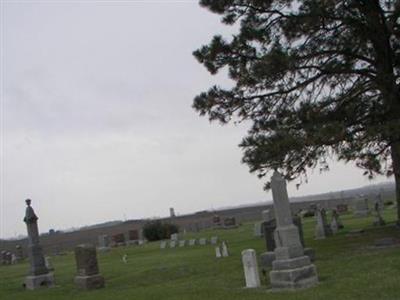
pixel 349 267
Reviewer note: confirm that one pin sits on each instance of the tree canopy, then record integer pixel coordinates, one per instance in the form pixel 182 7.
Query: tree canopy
pixel 316 78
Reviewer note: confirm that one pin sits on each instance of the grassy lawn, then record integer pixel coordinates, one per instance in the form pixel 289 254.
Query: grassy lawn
pixel 348 268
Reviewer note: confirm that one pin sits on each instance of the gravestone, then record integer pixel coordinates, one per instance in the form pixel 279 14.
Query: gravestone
pixel 88 276
pixel 104 242
pixel 258 232
pixel 214 240
pixel 251 275
pixel 224 249
pixel 182 243
pixel 172 244
pixel 39 275
pixel 174 237
pixel 48 263
pixel 322 228
pixel 361 208
pixel 163 244
pixel 216 221
pixel 203 241
pixel 125 258
pixel 8 258
pixel 291 269
pixel 192 242
pixel 14 259
pixel 218 252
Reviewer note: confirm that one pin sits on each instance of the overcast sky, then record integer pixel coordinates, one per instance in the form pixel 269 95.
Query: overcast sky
pixel 96 116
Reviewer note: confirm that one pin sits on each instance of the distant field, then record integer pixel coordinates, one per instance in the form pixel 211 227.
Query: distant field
pixel 348 268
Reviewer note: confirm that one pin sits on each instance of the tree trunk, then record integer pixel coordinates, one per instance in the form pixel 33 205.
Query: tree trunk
pixel 395 149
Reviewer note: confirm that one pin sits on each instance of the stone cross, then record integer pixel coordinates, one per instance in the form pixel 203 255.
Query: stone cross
pixel 88 276
pixel 291 268
pixel 39 275
pixel 251 275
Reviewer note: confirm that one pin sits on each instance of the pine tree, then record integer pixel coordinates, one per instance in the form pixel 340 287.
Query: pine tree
pixel 318 79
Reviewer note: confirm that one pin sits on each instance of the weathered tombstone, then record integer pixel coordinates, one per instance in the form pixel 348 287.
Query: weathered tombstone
pixel 192 242
pixel 174 237
pixel 291 268
pixel 214 240
pixel 39 275
pixel 322 229
pixel 48 263
pixel 172 244
pixel 88 276
pixel 218 252
pixel 224 248
pixel 182 243
pixel 203 241
pixel 251 275
pixel 361 207
pixel 163 244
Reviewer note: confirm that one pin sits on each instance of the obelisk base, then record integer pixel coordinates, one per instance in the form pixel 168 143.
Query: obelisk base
pixel 39 281
pixel 293 273
pixel 89 282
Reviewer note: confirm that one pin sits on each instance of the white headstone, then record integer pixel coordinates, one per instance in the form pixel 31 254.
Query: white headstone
pixel 192 242
pixel 163 244
pixel 218 252
pixel 257 229
pixel 48 263
pixel 182 243
pixel 214 240
pixel 172 244
pixel 225 252
pixel 174 237
pixel 203 241
pixel 125 258
pixel 250 267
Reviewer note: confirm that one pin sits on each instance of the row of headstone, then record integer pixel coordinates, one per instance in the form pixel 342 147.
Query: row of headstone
pixel 173 243
pixel 105 242
pixel 324 229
